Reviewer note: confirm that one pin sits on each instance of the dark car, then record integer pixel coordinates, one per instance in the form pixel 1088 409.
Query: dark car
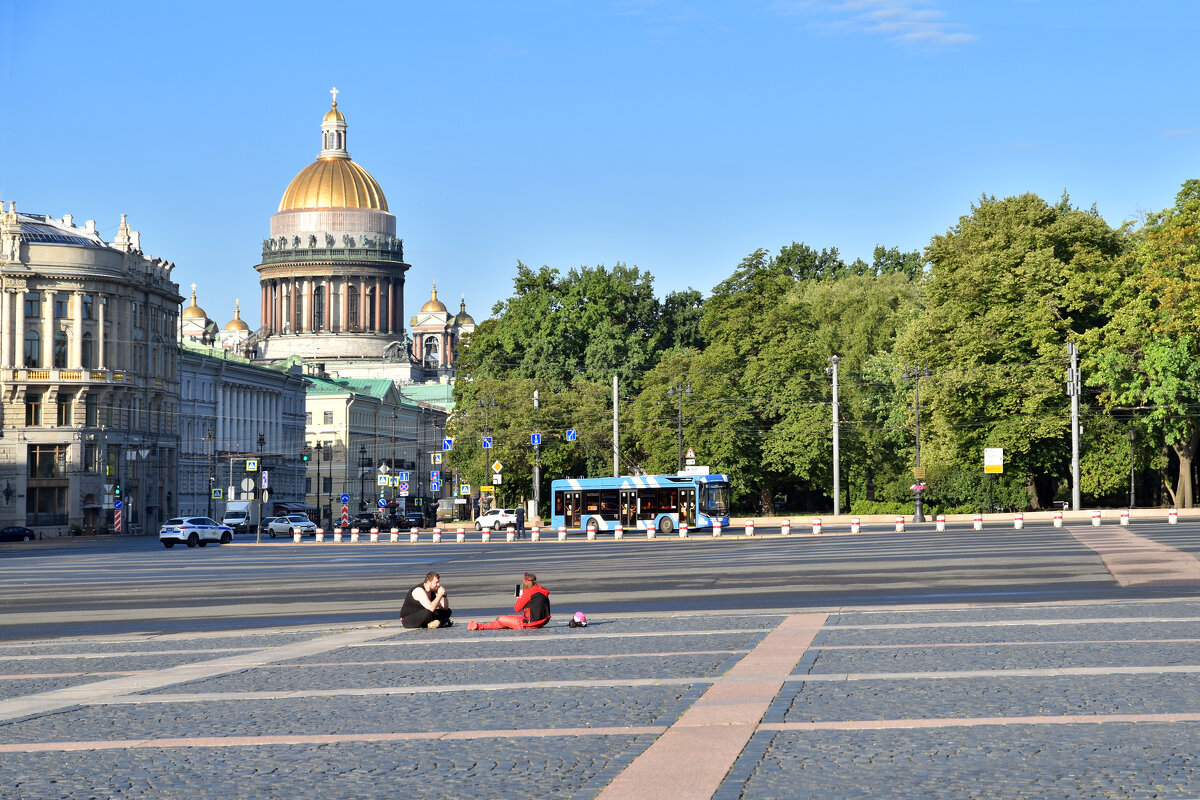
pixel 412 519
pixel 17 534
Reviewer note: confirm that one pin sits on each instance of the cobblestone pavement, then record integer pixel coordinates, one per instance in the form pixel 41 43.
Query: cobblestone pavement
pixel 1070 700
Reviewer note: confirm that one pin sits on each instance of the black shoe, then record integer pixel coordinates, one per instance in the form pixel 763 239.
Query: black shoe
pixel 447 624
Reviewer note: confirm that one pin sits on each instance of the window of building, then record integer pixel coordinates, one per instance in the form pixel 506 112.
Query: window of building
pixel 33 349
pixel 335 309
pixel 60 350
pixel 308 485
pixel 328 417
pixel 91 416
pixel 33 304
pixel 318 316
pixel 47 460
pixel 62 305
pixel 308 418
pixel 371 309
pixel 91 458
pixel 33 409
pixel 88 307
pixel 327 484
pixel 87 352
pixel 64 411
pixel 352 308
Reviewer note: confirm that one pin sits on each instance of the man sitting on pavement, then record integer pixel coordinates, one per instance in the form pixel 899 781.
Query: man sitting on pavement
pixel 426 605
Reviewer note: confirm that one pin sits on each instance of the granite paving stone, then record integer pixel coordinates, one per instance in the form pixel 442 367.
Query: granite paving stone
pixel 998 657
pixel 113 663
pixel 19 687
pixel 1132 631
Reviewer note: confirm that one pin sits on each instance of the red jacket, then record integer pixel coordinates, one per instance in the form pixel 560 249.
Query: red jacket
pixel 534 605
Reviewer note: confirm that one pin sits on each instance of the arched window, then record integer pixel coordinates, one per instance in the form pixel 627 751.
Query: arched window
pixel 60 350
pixel 88 352
pixel 431 352
pixel 318 318
pixel 352 308
pixel 33 349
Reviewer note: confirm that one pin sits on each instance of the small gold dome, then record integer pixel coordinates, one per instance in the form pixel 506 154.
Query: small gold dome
pixel 463 318
pixel 194 311
pixel 333 183
pixel 434 304
pixel 237 323
pixel 333 115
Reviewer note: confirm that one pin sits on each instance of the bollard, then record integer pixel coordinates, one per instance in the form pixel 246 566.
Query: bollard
pixel 649 529
pixel 374 534
pixel 395 534
pixel 855 525
pixel 817 526
pixel 1095 519
pixel 460 536
pixel 562 533
pixel 535 534
pixel 486 536
pixel 1018 521
pixel 337 535
pixel 414 535
pixel 749 527
pixel 785 528
pixel 940 522
pixel 296 537
pixel 618 532
pixel 591 532
pixel 716 529
pixel 1058 519
pixel 1173 517
pixel 682 530
pixel 353 535
pixel 899 524
pixel 437 536
pixel 510 535
pixel 979 522
pixel 1125 518
pixel 320 535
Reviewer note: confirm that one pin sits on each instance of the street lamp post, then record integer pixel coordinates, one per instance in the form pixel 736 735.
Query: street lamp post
pixel 486 405
pixel 363 466
pixel 837 494
pixel 1132 473
pixel 681 388
pixel 916 373
pixel 537 460
pixel 320 500
pixel 259 491
pixel 210 441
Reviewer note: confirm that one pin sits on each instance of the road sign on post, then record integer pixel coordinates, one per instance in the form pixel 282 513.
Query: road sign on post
pixel 447 444
pixel 993 459
pixel 571 435
pixel 251 465
pixel 535 438
pixel 487 443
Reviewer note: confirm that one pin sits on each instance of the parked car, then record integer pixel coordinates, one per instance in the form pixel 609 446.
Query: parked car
pixel 496 519
pixel 193 531
pixel 285 526
pixel 412 519
pixel 16 533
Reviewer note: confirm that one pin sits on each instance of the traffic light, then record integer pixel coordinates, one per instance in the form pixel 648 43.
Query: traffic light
pixel 304 455
pixel 116 490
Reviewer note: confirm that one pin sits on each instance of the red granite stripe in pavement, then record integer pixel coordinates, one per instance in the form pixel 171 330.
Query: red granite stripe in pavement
pixel 1137 561
pixel 966 722
pixel 692 758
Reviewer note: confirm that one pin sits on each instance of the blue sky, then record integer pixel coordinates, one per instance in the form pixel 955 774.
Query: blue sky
pixel 672 135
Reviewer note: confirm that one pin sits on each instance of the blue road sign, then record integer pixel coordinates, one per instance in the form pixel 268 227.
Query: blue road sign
pixel 117 504
pixel 447 444
pixel 402 476
pixel 435 458
pixel 435 486
pixel 487 443
pixel 404 487
pixel 382 503
pixel 571 435
pixel 435 475
pixel 345 498
pixel 535 438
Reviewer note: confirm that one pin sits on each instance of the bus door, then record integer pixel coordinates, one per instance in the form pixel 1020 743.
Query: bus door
pixel 572 513
pixel 629 508
pixel 687 506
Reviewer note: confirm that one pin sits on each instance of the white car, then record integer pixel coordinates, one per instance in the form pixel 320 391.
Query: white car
pixel 496 519
pixel 285 526
pixel 193 531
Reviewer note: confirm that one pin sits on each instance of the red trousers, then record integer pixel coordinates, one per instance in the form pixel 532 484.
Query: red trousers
pixel 514 621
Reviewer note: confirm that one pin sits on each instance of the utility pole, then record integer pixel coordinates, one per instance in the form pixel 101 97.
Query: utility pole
pixel 616 436
pixel 682 387
pixel 837 494
pixel 916 373
pixel 537 464
pixel 1073 387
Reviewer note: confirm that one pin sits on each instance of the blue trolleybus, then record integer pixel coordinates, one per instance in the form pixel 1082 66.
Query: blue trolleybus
pixel 659 501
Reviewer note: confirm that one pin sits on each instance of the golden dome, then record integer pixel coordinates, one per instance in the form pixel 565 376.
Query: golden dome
pixel 333 115
pixel 434 304
pixel 237 323
pixel 463 318
pixel 333 183
pixel 194 311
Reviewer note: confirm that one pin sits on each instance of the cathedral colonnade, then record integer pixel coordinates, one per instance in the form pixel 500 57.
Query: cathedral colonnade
pixel 337 303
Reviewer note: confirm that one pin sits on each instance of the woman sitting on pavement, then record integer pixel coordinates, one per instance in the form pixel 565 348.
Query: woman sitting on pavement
pixel 533 602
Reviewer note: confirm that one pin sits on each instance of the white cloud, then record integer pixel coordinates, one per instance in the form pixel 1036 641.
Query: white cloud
pixel 915 22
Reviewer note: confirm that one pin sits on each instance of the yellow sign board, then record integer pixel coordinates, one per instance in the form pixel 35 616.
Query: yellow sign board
pixel 919 473
pixel 487 488
pixel 993 459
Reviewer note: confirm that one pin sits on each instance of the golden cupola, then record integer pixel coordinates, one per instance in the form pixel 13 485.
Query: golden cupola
pixel 333 180
pixel 193 311
pixel 463 318
pixel 433 304
pixel 237 323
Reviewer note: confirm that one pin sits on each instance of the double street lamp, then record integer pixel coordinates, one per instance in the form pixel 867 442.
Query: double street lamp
pixel 916 373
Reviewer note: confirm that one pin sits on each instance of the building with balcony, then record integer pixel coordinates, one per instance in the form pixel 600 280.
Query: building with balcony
pixel 88 375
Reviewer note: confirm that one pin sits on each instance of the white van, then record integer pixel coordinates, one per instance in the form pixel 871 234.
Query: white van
pixel 237 516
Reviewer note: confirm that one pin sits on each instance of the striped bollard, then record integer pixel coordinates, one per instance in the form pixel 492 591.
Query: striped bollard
pixel 978 525
pixel 716 529
pixel 337 535
pixel 1095 519
pixel 855 525
pixel 1173 517
pixel 320 535
pixel 562 533
pixel 296 536
pixel 785 528
pixel 682 530
pixel 817 526
pixel 395 534
pixel 486 536
pixel 321 531
pixel 374 534
pixel 749 527
pixel 437 536
pixel 649 529
pixel 1125 518
pixel 353 535
pixel 1018 521
pixel 618 532
pixel 535 535
pixel 899 524
pixel 940 522
pixel 414 535
pixel 591 533
pixel 1058 519
pixel 460 535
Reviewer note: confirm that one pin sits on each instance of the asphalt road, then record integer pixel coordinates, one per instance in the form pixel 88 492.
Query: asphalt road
pixel 109 585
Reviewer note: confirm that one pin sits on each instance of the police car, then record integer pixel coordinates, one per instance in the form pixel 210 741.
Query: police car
pixel 193 531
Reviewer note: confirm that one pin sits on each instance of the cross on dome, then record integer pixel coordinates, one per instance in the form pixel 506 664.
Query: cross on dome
pixel 334 92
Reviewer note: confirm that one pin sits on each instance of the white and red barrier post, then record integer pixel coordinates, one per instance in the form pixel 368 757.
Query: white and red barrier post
pixel 683 529
pixel 1125 518
pixel 899 524
pixel 785 528
pixel 716 529
pixel 1018 521
pixel 816 523
pixel 1058 519
pixel 1173 516
pixel 749 527
pixel 562 533
pixel 855 525
pixel 940 523
pixel 374 534
pixel 1095 519
pixel 460 535
pixel 353 535
pixel 978 523
pixel 535 534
